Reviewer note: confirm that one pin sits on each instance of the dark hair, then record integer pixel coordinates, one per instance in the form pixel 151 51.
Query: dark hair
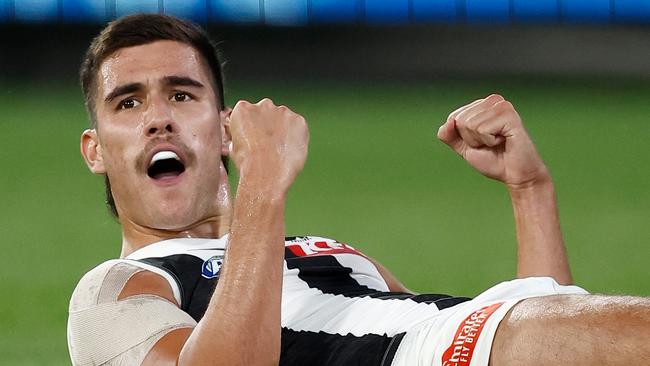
pixel 140 29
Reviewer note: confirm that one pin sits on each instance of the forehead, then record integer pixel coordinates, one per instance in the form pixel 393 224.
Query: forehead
pixel 151 62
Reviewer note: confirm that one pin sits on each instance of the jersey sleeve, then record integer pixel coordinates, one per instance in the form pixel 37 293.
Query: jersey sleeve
pixel 105 331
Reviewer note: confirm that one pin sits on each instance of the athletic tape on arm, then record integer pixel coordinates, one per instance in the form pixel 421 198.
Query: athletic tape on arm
pixel 102 330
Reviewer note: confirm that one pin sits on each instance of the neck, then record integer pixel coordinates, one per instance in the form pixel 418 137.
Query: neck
pixel 136 236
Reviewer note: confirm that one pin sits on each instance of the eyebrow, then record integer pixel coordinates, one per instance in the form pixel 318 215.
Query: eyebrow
pixel 123 89
pixel 172 80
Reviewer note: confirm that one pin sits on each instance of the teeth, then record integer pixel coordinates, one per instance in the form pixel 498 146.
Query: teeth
pixel 162 155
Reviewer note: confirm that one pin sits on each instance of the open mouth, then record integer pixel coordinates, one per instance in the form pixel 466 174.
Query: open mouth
pixel 165 164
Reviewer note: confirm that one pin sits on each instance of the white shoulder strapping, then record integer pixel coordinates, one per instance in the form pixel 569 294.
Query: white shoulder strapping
pixel 104 331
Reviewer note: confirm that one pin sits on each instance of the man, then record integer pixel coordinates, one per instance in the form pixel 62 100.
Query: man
pixel 205 279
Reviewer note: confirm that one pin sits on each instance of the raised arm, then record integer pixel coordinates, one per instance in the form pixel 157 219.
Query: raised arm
pixel 241 325
pixel 489 135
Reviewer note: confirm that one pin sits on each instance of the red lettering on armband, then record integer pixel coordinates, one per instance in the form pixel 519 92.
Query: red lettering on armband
pixel 313 248
pixel 462 348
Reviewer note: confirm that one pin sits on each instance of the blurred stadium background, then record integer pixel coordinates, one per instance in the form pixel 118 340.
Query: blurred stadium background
pixel 374 78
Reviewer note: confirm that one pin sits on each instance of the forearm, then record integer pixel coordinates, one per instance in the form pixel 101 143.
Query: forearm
pixel 242 323
pixel 489 135
pixel 540 246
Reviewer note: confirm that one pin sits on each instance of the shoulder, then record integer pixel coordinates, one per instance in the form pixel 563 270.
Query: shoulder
pixel 91 287
pixel 106 304
pixel 117 279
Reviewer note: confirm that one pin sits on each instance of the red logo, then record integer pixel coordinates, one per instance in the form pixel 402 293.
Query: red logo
pixel 321 247
pixel 461 350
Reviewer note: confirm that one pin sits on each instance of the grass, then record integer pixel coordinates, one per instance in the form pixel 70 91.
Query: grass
pixel 376 178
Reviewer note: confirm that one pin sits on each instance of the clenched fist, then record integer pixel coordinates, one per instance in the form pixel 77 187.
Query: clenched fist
pixel 489 135
pixel 269 142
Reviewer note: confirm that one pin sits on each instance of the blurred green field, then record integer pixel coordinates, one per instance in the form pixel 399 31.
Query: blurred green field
pixel 376 178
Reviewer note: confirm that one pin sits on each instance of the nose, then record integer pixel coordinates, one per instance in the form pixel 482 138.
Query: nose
pixel 159 119
pixel 162 128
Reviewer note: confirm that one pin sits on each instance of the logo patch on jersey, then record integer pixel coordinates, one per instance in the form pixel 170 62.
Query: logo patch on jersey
pixel 313 247
pixel 461 350
pixel 212 267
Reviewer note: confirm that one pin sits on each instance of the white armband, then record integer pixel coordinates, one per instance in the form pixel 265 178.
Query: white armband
pixel 104 331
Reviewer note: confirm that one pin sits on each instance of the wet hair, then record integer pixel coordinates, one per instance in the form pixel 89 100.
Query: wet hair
pixel 141 29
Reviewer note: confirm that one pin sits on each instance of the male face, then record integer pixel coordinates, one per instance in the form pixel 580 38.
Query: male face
pixel 160 135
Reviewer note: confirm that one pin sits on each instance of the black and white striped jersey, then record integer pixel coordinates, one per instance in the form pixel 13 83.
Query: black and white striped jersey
pixel 336 307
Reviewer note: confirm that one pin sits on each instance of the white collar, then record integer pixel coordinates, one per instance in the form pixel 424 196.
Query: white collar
pixel 179 245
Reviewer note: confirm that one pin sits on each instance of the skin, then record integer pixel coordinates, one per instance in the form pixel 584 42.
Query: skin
pixel 581 330
pixel 269 146
pixel 489 134
pixel 268 143
pixel 133 125
pixel 551 330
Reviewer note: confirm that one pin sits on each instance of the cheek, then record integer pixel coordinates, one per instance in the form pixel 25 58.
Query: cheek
pixel 207 134
pixel 207 149
pixel 117 151
pixel 208 152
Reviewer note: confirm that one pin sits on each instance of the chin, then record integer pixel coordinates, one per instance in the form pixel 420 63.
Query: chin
pixel 172 209
pixel 176 221
pixel 173 217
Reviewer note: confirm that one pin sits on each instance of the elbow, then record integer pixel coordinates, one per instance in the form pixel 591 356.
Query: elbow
pixel 564 280
pixel 561 279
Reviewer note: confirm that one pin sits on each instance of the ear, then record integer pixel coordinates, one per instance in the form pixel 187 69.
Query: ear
pixel 91 150
pixel 226 137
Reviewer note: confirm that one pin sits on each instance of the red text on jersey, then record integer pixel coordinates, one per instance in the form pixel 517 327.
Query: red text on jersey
pixel 321 247
pixel 461 350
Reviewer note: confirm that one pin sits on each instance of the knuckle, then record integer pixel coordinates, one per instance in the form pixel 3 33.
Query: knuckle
pixel 241 104
pixel 504 104
pixel 301 120
pixel 495 97
pixel 462 124
pixel 482 129
pixel 473 122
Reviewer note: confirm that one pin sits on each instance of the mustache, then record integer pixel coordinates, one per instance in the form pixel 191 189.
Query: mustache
pixel 188 155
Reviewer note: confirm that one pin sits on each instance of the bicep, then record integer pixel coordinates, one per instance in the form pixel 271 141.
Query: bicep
pixel 168 348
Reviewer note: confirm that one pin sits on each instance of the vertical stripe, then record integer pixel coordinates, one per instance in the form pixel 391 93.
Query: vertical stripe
pixel 325 273
pixel 389 355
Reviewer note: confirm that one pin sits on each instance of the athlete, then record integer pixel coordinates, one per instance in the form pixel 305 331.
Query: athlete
pixel 205 278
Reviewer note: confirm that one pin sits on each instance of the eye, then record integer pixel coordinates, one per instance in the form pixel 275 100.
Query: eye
pixel 181 97
pixel 128 104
